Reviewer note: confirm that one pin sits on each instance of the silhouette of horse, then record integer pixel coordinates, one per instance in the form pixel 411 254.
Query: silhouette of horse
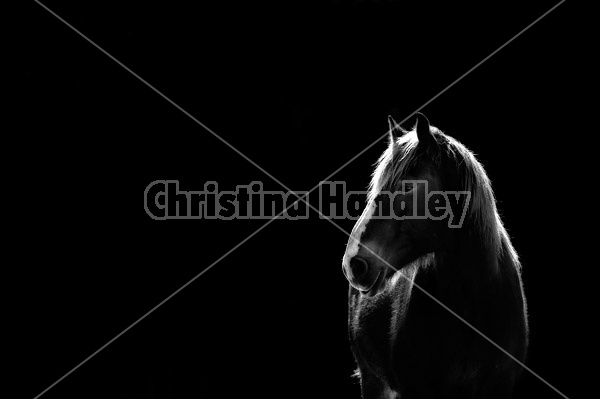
pixel 406 343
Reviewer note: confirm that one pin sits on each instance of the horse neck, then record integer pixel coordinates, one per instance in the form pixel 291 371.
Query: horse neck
pixel 471 257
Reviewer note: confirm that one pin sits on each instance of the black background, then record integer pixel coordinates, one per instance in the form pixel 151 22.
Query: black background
pixel 300 88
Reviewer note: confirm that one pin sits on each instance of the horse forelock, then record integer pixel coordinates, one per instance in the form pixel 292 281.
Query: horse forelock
pixel 393 164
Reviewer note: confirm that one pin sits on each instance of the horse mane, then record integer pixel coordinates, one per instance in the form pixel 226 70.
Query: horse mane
pixel 400 156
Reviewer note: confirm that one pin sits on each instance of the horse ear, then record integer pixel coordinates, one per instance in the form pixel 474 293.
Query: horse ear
pixel 423 130
pixel 394 130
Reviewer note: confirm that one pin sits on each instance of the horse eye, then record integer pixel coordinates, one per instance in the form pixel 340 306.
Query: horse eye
pixel 407 187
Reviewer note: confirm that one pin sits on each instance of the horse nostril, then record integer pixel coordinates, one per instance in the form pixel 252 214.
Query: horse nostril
pixel 359 267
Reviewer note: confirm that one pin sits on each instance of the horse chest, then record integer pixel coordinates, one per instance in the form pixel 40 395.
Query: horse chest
pixel 378 327
pixel 372 326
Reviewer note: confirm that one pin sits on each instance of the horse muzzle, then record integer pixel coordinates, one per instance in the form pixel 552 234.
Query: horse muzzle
pixel 362 275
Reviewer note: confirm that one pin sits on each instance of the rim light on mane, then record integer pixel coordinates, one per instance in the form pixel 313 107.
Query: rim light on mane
pixel 402 154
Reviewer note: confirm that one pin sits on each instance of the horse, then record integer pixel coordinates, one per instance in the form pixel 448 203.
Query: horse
pixel 424 294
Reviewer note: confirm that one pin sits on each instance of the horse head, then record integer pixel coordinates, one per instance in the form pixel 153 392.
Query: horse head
pixel 399 224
